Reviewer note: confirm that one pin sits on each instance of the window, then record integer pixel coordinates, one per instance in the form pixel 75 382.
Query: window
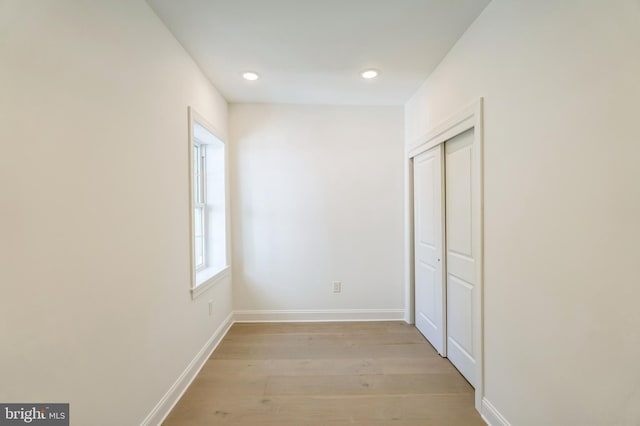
pixel 208 205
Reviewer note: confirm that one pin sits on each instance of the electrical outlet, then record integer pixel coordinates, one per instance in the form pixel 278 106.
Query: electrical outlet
pixel 210 307
pixel 337 287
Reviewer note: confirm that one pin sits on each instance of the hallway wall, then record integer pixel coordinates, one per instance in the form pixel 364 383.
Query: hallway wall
pixel 94 231
pixel 562 202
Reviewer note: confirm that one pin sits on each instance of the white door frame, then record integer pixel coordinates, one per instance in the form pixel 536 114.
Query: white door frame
pixel 468 118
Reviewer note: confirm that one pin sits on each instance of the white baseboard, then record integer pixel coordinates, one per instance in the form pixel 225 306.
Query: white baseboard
pixel 491 415
pixel 320 315
pixel 175 392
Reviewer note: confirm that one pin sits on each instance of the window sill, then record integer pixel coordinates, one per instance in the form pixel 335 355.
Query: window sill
pixel 208 278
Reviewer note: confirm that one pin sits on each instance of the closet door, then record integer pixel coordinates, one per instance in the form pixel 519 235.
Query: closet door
pixel 460 259
pixel 429 236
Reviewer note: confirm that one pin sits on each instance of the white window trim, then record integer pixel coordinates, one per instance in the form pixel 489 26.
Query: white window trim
pixel 210 281
pixel 211 276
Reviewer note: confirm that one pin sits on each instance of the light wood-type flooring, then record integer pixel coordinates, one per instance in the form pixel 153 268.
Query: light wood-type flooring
pixel 296 374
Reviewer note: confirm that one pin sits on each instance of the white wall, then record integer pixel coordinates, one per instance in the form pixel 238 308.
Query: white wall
pixel 562 202
pixel 95 307
pixel 317 198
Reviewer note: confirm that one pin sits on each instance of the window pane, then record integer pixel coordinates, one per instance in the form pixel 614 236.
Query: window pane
pixel 198 236
pixel 198 222
pixel 202 171
pixel 196 173
pixel 199 251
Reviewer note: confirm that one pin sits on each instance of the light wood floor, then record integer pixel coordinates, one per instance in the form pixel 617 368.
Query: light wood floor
pixel 366 373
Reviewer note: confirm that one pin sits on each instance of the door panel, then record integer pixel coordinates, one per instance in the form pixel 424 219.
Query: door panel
pixel 458 194
pixel 459 296
pixel 429 229
pixel 460 277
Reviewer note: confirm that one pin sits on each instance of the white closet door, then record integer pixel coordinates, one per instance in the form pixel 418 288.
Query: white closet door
pixel 429 234
pixel 460 276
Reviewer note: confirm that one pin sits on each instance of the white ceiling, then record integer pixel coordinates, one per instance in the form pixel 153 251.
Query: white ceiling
pixel 313 51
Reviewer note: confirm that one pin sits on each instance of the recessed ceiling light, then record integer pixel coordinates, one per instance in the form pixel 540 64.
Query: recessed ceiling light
pixel 250 75
pixel 368 74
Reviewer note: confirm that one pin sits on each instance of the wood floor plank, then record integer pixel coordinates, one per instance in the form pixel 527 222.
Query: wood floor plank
pixel 297 351
pixel 326 367
pixel 379 384
pixel 320 327
pixel 320 339
pixel 380 373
